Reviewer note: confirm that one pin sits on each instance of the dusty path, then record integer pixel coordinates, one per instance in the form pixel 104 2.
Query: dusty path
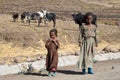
pixel 108 70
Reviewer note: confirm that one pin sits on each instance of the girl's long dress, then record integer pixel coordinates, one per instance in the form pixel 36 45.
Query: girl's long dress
pixel 52 55
pixel 87 51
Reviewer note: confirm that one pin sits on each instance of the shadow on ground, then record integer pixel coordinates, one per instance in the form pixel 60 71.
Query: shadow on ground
pixel 69 72
pixel 35 74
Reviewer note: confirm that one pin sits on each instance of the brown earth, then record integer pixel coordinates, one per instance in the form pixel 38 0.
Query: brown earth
pixel 18 40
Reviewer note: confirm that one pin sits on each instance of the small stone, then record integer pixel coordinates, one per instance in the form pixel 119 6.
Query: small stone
pixel 15 60
pixel 71 53
pixel 119 50
pixel 30 68
pixel 107 49
pixel 77 53
pixel 28 59
pixel 39 58
pixel 113 67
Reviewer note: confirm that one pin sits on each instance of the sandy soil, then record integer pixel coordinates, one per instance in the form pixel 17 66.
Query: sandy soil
pixel 18 40
pixel 107 70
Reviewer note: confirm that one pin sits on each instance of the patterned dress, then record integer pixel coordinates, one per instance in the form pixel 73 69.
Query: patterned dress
pixel 52 55
pixel 88 38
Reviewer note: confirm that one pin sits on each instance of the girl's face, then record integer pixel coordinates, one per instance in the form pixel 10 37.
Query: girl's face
pixel 52 35
pixel 89 19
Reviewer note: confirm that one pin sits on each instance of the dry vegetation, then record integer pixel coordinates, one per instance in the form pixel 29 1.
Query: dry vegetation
pixel 18 40
pixel 8 6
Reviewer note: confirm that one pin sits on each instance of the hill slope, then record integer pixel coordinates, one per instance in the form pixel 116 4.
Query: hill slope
pixel 18 40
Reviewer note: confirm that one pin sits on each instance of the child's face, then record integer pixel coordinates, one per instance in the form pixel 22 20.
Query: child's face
pixel 52 35
pixel 89 19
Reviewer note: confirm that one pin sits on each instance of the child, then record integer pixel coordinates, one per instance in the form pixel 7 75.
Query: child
pixel 52 45
pixel 87 41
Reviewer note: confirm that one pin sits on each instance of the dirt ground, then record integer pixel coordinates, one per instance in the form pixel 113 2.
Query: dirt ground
pixel 107 70
pixel 21 41
pixel 18 40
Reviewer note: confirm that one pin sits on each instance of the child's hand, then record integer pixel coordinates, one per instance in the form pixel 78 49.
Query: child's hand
pixel 80 44
pixel 96 45
pixel 55 41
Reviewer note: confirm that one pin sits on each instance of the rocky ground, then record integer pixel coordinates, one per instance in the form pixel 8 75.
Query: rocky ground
pixel 39 65
pixel 20 42
pixel 107 70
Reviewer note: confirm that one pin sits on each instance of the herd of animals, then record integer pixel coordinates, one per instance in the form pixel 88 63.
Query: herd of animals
pixel 38 16
pixel 78 18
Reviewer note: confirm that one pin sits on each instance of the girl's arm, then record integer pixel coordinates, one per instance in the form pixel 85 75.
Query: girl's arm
pixel 57 43
pixel 96 42
pixel 80 37
pixel 47 43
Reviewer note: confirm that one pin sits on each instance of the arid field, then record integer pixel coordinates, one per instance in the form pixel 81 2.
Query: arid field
pixel 21 41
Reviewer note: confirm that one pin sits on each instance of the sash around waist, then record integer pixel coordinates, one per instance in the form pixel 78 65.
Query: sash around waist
pixel 89 37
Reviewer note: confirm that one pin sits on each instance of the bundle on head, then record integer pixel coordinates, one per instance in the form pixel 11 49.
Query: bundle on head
pixel 15 16
pixel 81 18
pixel 78 18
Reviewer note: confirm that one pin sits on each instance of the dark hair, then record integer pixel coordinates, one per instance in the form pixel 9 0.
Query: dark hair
pixel 53 30
pixel 91 14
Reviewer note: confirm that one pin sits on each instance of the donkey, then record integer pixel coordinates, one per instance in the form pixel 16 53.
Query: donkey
pixel 29 16
pixel 34 16
pixel 24 15
pixel 51 17
pixel 47 17
pixel 15 16
pixel 42 15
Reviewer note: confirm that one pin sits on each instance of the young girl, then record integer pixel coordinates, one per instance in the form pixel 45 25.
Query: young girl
pixel 87 41
pixel 52 45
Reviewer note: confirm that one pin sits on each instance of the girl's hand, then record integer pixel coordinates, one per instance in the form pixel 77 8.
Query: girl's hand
pixel 52 40
pixel 80 44
pixel 96 45
pixel 55 40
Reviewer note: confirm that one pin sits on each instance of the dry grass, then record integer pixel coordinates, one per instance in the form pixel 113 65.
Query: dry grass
pixel 8 6
pixel 19 39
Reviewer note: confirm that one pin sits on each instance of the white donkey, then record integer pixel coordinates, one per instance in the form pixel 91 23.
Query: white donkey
pixel 42 15
pixel 46 16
